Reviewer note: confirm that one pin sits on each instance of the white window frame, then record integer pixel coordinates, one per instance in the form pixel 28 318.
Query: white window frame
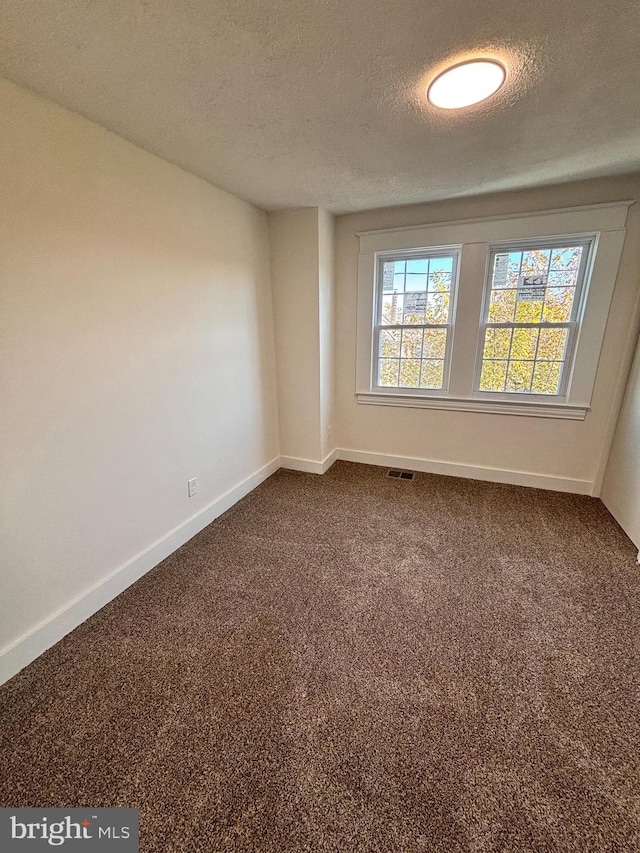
pixel 589 242
pixel 378 326
pixel 604 223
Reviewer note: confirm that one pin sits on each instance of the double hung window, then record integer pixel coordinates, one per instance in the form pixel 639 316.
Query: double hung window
pixel 531 315
pixel 414 317
pixel 488 315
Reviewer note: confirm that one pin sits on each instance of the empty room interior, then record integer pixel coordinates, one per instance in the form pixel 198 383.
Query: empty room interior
pixel 320 430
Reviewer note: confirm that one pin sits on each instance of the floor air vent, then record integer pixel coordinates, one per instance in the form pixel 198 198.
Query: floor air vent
pixel 400 475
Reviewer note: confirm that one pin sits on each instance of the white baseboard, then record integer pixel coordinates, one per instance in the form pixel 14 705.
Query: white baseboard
pixel 473 472
pixel 36 641
pixel 31 645
pixel 309 466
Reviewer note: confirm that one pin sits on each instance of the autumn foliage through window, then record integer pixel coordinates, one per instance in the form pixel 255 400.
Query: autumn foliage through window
pixel 530 318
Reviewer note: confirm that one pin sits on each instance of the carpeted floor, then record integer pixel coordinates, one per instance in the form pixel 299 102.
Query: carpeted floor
pixel 352 663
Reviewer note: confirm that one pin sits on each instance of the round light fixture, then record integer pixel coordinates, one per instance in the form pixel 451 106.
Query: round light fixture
pixel 467 83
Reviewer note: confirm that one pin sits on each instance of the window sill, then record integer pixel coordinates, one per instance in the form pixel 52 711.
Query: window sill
pixel 487 407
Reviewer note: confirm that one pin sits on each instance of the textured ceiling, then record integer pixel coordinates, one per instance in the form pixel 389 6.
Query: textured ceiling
pixel 317 102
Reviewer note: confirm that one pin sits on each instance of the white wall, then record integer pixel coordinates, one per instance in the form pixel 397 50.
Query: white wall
pixel 294 269
pixel 564 454
pixel 302 266
pixel 137 352
pixel 326 329
pixel 621 487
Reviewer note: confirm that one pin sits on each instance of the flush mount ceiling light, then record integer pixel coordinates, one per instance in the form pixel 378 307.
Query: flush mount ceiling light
pixel 467 83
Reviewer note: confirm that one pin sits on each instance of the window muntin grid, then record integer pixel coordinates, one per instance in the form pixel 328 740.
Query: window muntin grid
pixel 530 316
pixel 414 314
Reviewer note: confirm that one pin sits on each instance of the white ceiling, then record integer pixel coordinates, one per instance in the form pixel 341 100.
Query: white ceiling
pixel 291 103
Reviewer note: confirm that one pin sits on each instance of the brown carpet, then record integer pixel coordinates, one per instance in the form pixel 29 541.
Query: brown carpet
pixel 351 663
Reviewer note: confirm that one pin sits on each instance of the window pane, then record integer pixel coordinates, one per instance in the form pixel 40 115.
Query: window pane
pixel 563 259
pixel 500 275
pixel 524 343
pixel 388 371
pixel 435 343
pixel 410 372
pixel 417 274
pixel 514 268
pixel 502 306
pixel 437 308
pixel 528 311
pixel 552 344
pixel 546 377
pixel 414 308
pixel 440 282
pixel 497 343
pixel 388 270
pixel 519 375
pixel 563 278
pixel 536 261
pixel 432 374
pixel 418 266
pixel 558 304
pixel 398 282
pixel 444 265
pixel 411 343
pixel 494 375
pixel 391 310
pixel 390 344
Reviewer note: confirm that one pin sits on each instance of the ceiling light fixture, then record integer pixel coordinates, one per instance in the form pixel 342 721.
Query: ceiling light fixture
pixel 467 83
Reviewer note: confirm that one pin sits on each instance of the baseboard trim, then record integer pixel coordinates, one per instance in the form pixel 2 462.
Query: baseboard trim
pixel 31 645
pixel 473 472
pixel 309 466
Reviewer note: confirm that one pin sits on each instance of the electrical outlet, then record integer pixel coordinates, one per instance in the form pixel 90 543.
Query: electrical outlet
pixel 193 487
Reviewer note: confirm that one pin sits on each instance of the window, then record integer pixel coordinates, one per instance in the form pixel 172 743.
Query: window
pixel 531 314
pixel 488 315
pixel 414 315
